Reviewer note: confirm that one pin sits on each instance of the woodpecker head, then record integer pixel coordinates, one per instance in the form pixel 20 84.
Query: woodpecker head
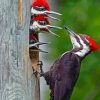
pixel 41 7
pixel 41 23
pixel 82 44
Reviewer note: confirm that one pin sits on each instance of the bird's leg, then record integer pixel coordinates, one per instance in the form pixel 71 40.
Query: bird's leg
pixel 41 72
pixel 34 72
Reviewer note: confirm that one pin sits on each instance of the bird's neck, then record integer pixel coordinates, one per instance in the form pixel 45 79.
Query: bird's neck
pixel 81 52
pixel 33 38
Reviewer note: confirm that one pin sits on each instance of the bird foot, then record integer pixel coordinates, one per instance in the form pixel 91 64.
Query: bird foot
pixel 40 63
pixel 41 72
pixel 35 72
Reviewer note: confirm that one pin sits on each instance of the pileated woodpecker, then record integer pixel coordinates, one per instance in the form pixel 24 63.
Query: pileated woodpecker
pixel 64 73
pixel 40 11
pixel 41 7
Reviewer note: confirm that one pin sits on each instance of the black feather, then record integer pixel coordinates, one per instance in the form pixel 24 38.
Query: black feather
pixel 63 75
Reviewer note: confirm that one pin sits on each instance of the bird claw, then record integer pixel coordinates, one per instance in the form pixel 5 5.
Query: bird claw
pixel 35 72
pixel 40 63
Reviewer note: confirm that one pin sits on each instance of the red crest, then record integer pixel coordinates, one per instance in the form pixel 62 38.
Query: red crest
pixel 41 3
pixel 41 18
pixel 93 44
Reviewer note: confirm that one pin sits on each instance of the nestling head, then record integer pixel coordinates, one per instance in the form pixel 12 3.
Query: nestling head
pixel 39 23
pixel 40 7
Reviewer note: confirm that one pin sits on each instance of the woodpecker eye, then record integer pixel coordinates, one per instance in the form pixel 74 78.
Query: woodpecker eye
pixel 39 8
pixel 42 23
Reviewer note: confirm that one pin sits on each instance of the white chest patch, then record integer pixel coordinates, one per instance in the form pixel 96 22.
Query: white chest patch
pixel 84 51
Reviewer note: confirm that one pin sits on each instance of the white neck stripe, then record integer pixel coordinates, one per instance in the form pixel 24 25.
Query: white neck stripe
pixel 82 52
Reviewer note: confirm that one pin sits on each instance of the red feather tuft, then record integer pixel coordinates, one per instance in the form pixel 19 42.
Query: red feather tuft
pixel 41 18
pixel 93 44
pixel 40 3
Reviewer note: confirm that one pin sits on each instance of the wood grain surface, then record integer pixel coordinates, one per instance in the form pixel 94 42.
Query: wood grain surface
pixel 16 79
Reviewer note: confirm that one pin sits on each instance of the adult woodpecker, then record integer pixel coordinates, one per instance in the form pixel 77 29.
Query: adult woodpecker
pixel 64 73
pixel 40 11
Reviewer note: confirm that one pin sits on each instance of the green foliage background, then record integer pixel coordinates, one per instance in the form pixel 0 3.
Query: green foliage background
pixel 83 16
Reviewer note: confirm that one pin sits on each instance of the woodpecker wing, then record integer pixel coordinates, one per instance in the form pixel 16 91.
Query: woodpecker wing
pixel 63 76
pixel 61 91
pixel 64 86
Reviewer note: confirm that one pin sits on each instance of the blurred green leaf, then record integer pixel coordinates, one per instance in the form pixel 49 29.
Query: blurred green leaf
pixel 83 16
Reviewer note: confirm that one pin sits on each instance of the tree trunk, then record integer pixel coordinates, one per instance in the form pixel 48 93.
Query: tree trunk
pixel 16 79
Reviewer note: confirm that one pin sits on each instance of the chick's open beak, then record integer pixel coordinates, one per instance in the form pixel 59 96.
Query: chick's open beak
pixel 35 47
pixel 45 12
pixel 38 27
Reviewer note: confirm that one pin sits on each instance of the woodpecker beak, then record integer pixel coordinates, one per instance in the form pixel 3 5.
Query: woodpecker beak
pixel 72 33
pixel 49 13
pixel 38 50
pixel 54 18
pixel 75 38
pixel 35 47
pixel 37 44
pixel 37 27
pixel 52 32
pixel 52 12
pixel 36 12
pixel 45 12
pixel 48 27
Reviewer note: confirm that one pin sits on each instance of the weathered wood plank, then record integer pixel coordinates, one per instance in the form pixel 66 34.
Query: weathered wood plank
pixel 34 56
pixel 16 80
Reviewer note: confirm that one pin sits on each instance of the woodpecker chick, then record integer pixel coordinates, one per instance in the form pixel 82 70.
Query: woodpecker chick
pixel 40 23
pixel 40 11
pixel 41 7
pixel 64 73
